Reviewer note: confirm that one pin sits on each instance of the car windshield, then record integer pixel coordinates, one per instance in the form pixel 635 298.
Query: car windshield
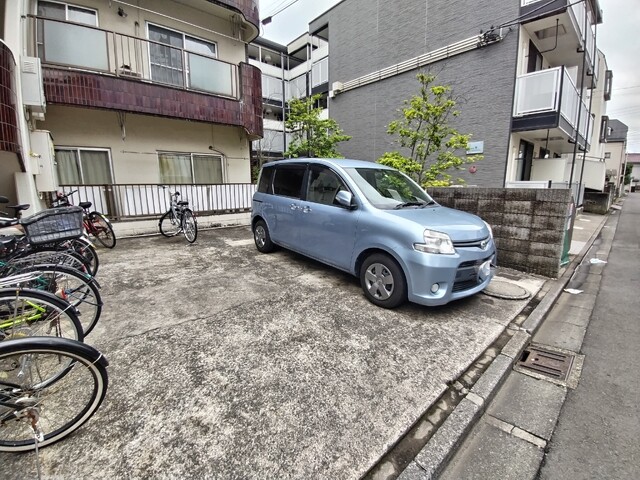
pixel 389 189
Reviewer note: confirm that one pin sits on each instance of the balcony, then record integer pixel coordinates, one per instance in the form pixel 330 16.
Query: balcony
pixel 547 108
pixel 90 67
pixel 563 30
pixel 9 132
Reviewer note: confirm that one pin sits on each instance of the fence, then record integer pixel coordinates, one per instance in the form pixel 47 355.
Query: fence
pixel 143 201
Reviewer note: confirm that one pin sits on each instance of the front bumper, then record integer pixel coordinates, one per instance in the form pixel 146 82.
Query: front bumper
pixel 439 279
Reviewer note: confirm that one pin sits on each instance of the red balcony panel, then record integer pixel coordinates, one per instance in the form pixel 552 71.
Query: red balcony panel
pixel 9 134
pixel 248 8
pixel 75 88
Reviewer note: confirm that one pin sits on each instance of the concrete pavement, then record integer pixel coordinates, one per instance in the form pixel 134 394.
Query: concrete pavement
pixel 228 363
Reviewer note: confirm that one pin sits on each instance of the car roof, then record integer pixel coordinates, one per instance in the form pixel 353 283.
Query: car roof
pixel 337 162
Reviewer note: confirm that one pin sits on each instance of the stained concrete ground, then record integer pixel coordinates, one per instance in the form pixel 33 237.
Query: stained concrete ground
pixel 227 363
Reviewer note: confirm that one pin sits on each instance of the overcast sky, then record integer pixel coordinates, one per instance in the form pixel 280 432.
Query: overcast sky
pixel 618 37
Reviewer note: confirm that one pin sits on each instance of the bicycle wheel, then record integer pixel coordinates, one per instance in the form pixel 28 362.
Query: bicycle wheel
pixel 169 224
pixel 102 229
pixel 82 246
pixel 189 225
pixel 28 313
pixel 50 256
pixel 80 290
pixel 35 408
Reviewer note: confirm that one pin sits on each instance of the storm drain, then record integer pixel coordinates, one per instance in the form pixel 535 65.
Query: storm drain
pixel 553 364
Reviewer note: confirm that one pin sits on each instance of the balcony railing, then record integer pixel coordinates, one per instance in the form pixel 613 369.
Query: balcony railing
pixel 549 91
pixel 144 201
pixel 90 48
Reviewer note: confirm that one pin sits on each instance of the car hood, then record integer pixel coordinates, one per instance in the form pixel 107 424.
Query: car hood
pixel 460 226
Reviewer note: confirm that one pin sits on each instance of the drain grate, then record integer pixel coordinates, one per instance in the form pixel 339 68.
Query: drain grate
pixel 549 363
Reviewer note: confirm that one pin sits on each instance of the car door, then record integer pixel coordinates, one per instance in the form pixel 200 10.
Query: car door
pixel 326 229
pixel 286 204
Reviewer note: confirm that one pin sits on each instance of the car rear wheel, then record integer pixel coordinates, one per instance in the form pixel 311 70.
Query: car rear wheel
pixel 262 238
pixel 383 281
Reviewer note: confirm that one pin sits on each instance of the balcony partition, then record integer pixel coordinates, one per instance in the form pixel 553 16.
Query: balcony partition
pixel 68 44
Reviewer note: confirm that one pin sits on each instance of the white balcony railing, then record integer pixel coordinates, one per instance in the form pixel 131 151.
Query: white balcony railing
pixel 90 48
pixel 546 91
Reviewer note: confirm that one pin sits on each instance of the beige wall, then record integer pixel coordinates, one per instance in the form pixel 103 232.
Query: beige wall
pixel 135 159
pixel 214 20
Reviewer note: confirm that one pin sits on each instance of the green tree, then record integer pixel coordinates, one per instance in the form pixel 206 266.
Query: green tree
pixel 430 142
pixel 312 136
pixel 627 173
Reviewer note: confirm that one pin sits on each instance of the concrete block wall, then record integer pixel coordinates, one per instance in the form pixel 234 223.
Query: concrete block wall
pixel 596 202
pixel 528 224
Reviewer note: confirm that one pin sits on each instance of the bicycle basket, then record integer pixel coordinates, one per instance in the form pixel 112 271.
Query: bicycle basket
pixel 54 224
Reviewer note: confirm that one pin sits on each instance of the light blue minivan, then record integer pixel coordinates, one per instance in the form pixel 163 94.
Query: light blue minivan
pixel 375 223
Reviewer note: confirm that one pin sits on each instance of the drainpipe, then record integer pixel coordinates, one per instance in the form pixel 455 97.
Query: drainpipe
pixel 584 61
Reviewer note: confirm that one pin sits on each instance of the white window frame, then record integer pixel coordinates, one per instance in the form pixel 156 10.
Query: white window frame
pixel 185 64
pixel 78 151
pixel 192 171
pixel 66 10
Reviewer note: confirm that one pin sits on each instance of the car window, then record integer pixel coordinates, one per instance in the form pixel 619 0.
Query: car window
pixel 323 185
pixel 287 180
pixel 386 188
pixel 266 178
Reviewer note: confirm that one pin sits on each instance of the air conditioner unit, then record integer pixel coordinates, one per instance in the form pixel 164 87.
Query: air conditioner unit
pixel 32 87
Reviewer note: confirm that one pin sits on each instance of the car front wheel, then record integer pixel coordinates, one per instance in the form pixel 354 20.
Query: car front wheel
pixel 262 238
pixel 383 281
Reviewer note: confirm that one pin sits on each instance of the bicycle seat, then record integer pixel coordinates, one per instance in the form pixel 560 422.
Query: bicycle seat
pixel 85 204
pixel 18 208
pixel 183 203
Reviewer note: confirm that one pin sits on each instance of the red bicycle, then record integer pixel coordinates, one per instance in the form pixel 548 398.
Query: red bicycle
pixel 95 223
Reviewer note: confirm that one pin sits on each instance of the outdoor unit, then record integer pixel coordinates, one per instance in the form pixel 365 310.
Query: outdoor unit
pixel 32 88
pixel 43 153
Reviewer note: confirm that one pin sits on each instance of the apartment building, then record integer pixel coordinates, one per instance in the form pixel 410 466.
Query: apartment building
pixel 616 154
pixel 297 70
pixel 531 84
pixel 116 98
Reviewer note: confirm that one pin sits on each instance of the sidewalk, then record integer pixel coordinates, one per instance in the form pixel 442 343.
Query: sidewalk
pixel 505 437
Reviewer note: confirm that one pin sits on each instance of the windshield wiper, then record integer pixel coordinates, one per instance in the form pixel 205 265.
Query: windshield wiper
pixel 409 204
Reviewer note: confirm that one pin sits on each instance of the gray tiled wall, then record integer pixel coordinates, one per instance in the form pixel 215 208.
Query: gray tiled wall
pixel 366 36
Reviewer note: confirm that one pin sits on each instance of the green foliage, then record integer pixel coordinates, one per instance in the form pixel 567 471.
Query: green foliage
pixel 430 142
pixel 312 136
pixel 627 173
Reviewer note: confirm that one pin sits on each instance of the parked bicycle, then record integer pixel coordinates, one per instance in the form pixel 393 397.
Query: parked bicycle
pixel 179 218
pixel 95 223
pixel 49 387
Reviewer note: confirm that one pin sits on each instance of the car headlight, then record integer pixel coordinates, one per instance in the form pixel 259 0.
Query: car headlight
pixel 490 229
pixel 435 242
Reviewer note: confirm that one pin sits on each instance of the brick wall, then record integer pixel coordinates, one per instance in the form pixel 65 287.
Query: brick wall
pixel 528 224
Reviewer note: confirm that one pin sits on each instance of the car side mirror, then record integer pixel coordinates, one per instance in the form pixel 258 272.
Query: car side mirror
pixel 345 199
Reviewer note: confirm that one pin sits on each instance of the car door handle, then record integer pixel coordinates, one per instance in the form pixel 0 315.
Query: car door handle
pixel 293 206
pixel 306 209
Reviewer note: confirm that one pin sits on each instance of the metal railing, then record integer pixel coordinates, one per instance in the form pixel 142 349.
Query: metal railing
pixel 143 201
pixel 91 48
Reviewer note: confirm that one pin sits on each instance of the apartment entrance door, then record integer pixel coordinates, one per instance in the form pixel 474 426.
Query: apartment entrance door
pixel 525 159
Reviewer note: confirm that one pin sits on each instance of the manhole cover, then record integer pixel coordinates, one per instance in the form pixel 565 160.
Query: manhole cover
pixel 546 362
pixel 508 290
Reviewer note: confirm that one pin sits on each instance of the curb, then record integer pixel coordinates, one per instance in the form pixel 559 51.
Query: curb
pixel 435 455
